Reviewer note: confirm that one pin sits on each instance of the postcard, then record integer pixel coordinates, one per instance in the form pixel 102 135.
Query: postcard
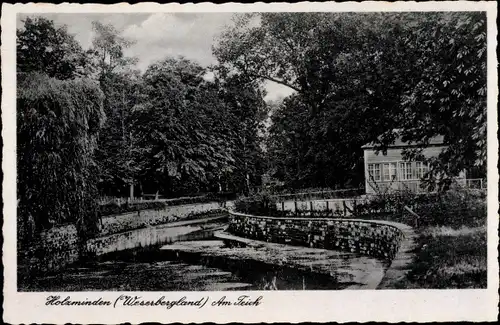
pixel 308 162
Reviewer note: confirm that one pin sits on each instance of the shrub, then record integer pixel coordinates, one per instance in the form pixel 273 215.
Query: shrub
pixel 318 195
pixel 449 259
pixel 258 204
pixel 114 208
pixel 454 208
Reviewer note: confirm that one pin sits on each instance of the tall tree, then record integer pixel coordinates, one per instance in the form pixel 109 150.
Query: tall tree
pixel 183 136
pixel 359 76
pixel 246 113
pixel 109 46
pixel 43 47
pixel 57 126
pixel 448 94
pixel 122 89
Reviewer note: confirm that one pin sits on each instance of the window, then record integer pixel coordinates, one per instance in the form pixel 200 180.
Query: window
pixel 405 171
pixel 374 172
pixel 389 171
pixel 420 169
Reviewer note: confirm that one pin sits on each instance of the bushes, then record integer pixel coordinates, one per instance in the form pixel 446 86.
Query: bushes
pixel 318 195
pixel 454 208
pixel 114 208
pixel 452 241
pixel 258 204
pixel 449 259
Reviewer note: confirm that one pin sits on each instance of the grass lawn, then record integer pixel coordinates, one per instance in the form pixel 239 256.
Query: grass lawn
pixel 448 258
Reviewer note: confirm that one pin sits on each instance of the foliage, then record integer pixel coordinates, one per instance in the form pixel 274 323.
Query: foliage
pixel 57 126
pixel 454 208
pixel 360 76
pixel 449 260
pixel 114 208
pixel 176 126
pixel 108 49
pixel 315 194
pixel 122 87
pixel 246 113
pixel 51 50
pixel 117 146
pixel 260 204
pixel 448 95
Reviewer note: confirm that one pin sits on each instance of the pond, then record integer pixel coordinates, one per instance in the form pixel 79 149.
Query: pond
pixel 175 269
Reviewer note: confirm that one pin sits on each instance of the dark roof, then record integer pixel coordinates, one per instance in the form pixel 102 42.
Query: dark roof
pixel 435 141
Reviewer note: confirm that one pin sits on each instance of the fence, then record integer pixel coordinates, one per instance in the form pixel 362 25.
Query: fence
pixel 319 208
pixel 331 194
pixel 127 200
pixel 415 186
pixel 476 183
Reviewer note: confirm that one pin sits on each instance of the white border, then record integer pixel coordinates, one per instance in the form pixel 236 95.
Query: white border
pixel 287 306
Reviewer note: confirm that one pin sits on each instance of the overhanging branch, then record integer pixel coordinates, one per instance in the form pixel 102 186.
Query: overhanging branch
pixel 276 81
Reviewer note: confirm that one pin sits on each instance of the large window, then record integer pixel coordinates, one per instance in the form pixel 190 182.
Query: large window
pixel 389 171
pixel 374 172
pixel 420 169
pixel 405 171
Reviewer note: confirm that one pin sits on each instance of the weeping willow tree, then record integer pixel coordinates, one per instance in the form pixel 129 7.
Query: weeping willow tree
pixel 58 122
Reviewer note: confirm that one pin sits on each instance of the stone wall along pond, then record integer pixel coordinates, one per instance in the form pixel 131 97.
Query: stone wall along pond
pixel 146 218
pixel 378 239
pixel 58 246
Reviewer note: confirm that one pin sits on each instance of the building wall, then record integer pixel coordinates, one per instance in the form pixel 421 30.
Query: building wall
pixel 395 155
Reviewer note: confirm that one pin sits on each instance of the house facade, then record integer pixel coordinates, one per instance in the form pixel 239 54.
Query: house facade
pixel 392 172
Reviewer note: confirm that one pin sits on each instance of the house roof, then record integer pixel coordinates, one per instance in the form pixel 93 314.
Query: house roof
pixel 399 143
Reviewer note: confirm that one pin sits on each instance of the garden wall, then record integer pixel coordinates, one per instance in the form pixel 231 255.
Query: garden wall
pixel 151 236
pixel 58 246
pixel 379 239
pixel 145 218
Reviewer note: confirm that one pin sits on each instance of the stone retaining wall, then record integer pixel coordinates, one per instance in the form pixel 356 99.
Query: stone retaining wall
pixel 151 236
pixel 145 218
pixel 58 247
pixel 379 239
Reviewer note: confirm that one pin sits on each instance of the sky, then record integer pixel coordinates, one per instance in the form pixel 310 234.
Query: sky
pixel 158 35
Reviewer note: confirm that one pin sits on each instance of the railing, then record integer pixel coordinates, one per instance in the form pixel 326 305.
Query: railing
pixel 415 185
pixel 319 208
pixel 332 194
pixel 124 200
pixel 476 183
pixel 387 186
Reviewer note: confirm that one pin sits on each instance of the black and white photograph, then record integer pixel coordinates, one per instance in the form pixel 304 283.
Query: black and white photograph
pixel 252 151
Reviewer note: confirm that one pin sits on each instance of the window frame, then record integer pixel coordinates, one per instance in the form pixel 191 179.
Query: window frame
pixel 421 168
pixel 406 169
pixel 372 173
pixel 389 169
